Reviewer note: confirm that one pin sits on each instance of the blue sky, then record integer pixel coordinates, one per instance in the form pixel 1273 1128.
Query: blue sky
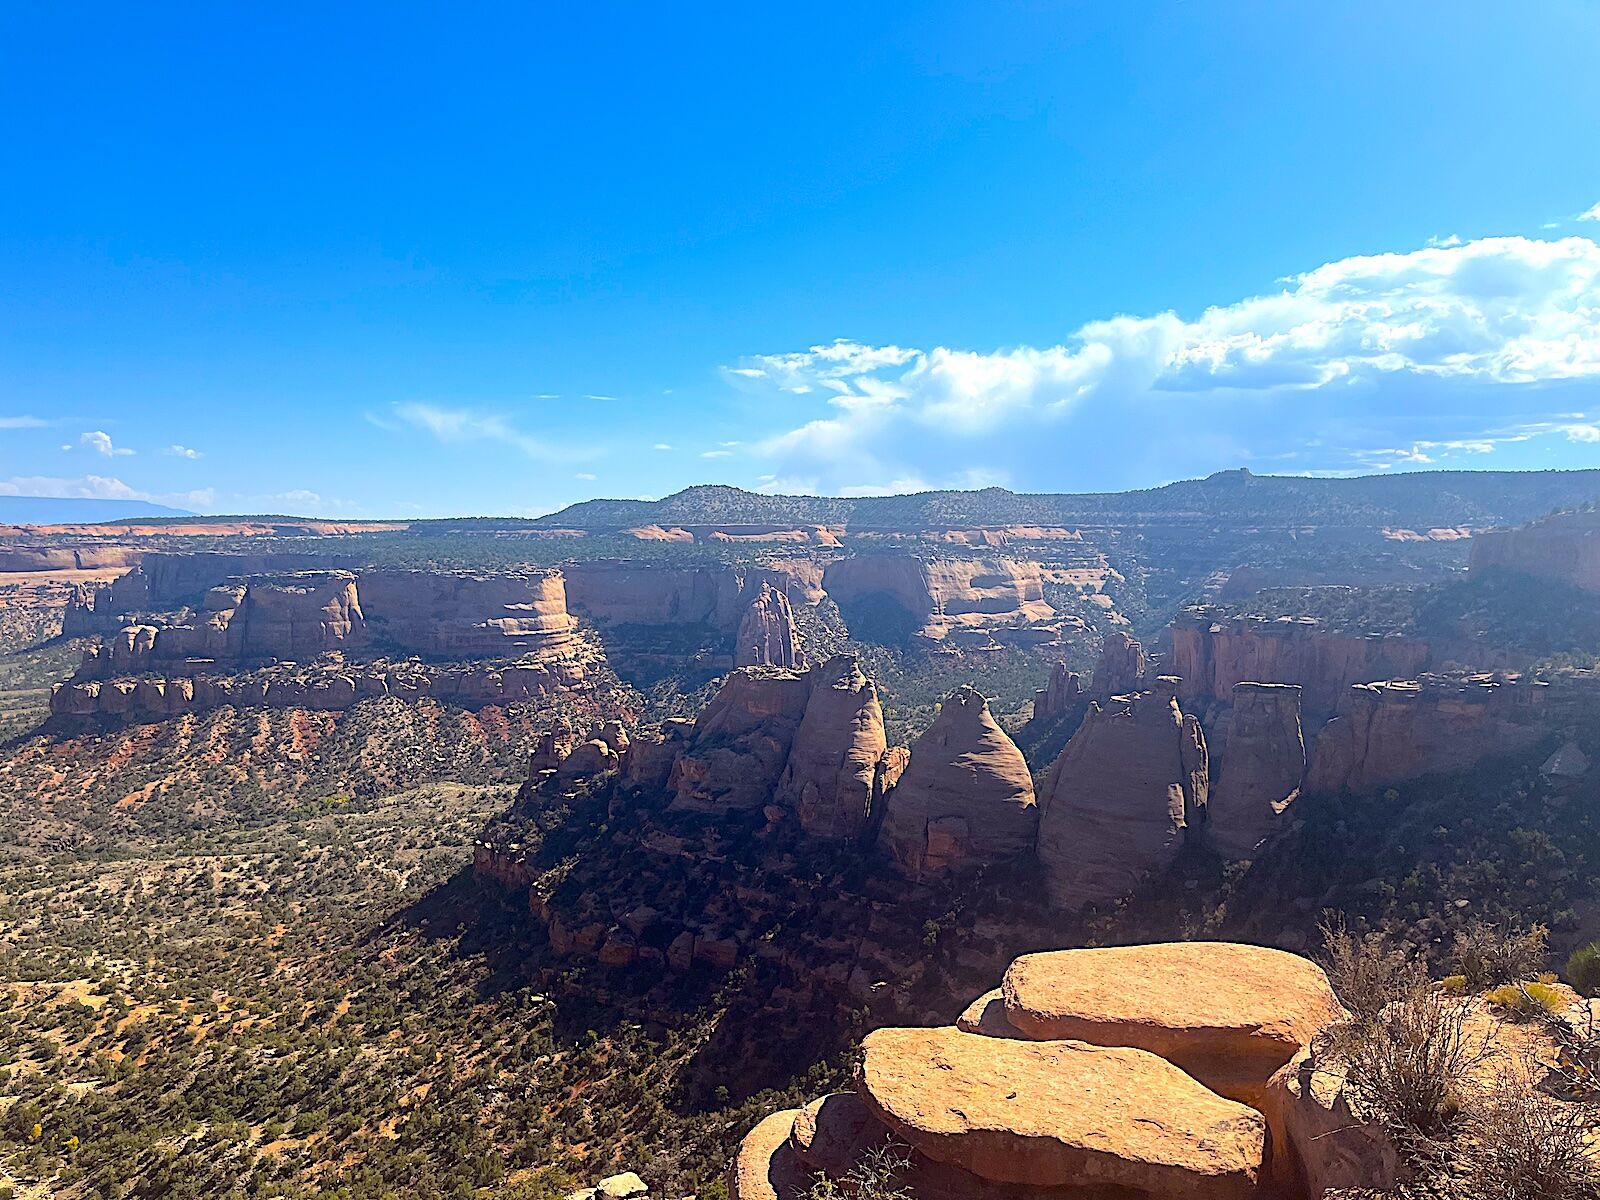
pixel 399 260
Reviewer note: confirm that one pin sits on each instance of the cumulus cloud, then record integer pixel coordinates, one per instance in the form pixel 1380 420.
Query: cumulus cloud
pixel 177 451
pixel 100 442
pixel 1444 344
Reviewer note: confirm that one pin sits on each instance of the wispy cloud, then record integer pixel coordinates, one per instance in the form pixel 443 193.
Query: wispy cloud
pixel 23 422
pixel 463 425
pixel 716 454
pixel 1592 213
pixel 101 487
pixel 661 446
pixel 177 451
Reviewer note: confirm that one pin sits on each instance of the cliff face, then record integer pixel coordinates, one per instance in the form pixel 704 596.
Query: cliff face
pixel 966 798
pixel 1211 656
pixel 1565 547
pixel 740 742
pixel 1263 760
pixel 832 776
pixel 767 635
pixel 1121 667
pixel 1119 798
pixel 1053 701
pixel 1393 731
pixel 330 690
pixel 930 598
pixel 467 615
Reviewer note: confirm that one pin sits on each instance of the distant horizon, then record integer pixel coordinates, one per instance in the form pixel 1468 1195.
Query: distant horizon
pixel 140 511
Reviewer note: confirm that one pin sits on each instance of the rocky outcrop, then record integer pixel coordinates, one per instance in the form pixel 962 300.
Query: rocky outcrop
pixel 1120 796
pixel 1263 761
pixel 927 599
pixel 741 741
pixel 1230 1015
pixel 163 582
pixel 833 762
pixel 1212 655
pixel 1059 696
pixel 1121 667
pixel 966 798
pixel 767 635
pixel 467 615
pixel 1564 547
pixel 1397 730
pixel 330 690
pixel 1090 1075
pixel 298 617
pixel 1321 1142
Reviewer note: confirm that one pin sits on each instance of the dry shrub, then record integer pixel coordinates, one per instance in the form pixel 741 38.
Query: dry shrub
pixel 1527 1146
pixel 1488 955
pixel 1408 1066
pixel 877 1176
pixel 1526 1000
pixel 1367 973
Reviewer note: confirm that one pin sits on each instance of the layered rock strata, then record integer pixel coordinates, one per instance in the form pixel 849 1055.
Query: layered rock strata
pixel 1212 655
pixel 966 798
pixel 1564 548
pixel 935 596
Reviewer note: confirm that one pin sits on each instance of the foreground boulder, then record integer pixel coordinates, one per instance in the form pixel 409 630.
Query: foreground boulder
pixel 1057 1114
pixel 1119 798
pixel 766 1166
pixel 1228 1014
pixel 966 798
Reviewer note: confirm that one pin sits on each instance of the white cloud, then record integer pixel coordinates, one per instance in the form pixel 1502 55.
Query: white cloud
pixel 100 487
pixel 661 446
pixel 177 451
pixel 460 425
pixel 586 475
pixel 1355 345
pixel 22 423
pixel 716 454
pixel 100 442
pixel 1592 213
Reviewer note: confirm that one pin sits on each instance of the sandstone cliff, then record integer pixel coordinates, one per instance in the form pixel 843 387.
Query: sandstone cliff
pixel 1393 731
pixel 466 616
pixel 1117 801
pixel 966 797
pixel 1212 655
pixel 930 598
pixel 1262 762
pixel 767 635
pixel 1059 696
pixel 1120 668
pixel 1564 547
pixel 833 766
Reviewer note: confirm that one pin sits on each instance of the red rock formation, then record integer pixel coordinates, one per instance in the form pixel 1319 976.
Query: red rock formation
pixel 767 635
pixel 1263 760
pixel 966 797
pixel 1563 547
pixel 1389 732
pixel 1119 798
pixel 297 617
pixel 1059 696
pixel 1120 669
pixel 833 762
pixel 940 595
pixel 741 741
pixel 1211 656
pixel 550 750
pixel 331 689
pixel 466 616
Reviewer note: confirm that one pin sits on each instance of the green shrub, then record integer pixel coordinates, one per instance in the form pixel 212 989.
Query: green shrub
pixel 1529 999
pixel 1583 969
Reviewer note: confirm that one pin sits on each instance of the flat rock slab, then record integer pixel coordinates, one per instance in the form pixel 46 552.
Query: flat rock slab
pixel 1060 1114
pixel 766 1166
pixel 1230 1015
